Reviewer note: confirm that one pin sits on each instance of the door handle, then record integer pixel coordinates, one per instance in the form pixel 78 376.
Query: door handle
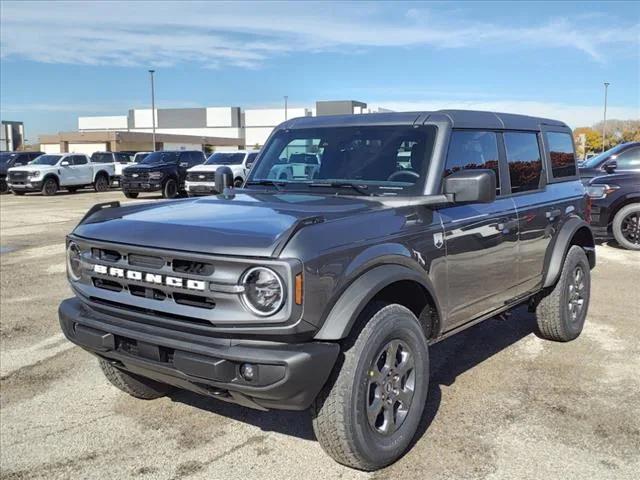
pixel 551 214
pixel 507 225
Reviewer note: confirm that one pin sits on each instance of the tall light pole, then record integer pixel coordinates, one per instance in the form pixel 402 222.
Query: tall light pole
pixel 604 124
pixel 153 110
pixel 286 100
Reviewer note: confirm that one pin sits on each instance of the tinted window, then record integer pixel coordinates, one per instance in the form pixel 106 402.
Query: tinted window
pixel 160 157
pixel 525 164
pixel 629 160
pixel 563 160
pixel 102 157
pixel 197 158
pixel 471 150
pixel 595 162
pixel 250 159
pixel 365 156
pixel 222 158
pixel 123 157
pixel 5 157
pixel 81 160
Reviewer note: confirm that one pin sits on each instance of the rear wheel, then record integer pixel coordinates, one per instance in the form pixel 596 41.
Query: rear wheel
pixel 626 226
pixel 134 385
pixel 170 189
pixel 102 183
pixel 49 187
pixel 369 411
pixel 562 312
pixel 130 194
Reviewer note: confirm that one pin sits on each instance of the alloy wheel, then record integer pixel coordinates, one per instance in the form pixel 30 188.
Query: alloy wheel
pixel 576 294
pixel 630 227
pixel 391 385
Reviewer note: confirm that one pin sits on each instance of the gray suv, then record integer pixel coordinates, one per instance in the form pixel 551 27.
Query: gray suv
pixel 325 290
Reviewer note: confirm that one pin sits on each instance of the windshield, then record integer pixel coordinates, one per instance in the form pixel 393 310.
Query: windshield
pixel 222 158
pixel 102 158
pixel 140 156
pixel 160 157
pixel 388 160
pixel 6 156
pixel 46 160
pixel 594 162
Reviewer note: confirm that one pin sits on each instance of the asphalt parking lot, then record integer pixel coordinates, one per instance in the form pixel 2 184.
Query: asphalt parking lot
pixel 503 403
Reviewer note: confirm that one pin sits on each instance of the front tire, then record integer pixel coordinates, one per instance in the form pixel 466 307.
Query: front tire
pixel 170 189
pixel 626 227
pixel 562 312
pixel 18 192
pixel 4 186
pixel 130 194
pixel 50 187
pixel 132 384
pixel 369 411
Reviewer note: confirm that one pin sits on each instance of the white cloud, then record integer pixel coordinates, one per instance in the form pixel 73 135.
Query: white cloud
pixel 248 34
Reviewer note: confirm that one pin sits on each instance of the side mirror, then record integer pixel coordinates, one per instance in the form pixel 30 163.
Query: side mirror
pixel 223 179
pixel 471 186
pixel 610 166
pixel 64 163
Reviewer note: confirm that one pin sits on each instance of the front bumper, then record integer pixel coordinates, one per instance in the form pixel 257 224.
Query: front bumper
pixel 143 186
pixel 200 188
pixel 600 221
pixel 26 186
pixel 289 375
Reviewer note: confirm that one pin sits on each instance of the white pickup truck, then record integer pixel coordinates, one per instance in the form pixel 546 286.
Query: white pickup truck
pixel 201 178
pixel 51 172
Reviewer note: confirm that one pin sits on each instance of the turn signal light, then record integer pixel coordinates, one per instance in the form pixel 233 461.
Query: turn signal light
pixel 298 289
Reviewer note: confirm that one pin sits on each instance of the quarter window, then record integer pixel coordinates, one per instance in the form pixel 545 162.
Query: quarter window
pixel 473 150
pixel 563 160
pixel 629 160
pixel 525 163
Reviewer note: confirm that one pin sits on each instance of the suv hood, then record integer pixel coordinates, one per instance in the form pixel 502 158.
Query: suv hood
pixel 28 167
pixel 136 167
pixel 247 224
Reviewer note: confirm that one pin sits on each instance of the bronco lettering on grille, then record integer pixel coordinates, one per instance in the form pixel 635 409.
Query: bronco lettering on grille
pixel 151 278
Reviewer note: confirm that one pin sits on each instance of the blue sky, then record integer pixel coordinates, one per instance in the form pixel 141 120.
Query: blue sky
pixel 61 60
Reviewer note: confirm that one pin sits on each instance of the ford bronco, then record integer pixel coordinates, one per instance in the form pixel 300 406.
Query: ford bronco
pixel 325 290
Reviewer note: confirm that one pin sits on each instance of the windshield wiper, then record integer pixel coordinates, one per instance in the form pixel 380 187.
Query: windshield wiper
pixel 268 183
pixel 361 189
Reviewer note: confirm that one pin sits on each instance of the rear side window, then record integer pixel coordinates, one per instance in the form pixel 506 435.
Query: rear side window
pixel 79 160
pixel 525 162
pixel 629 160
pixel 472 150
pixel 563 160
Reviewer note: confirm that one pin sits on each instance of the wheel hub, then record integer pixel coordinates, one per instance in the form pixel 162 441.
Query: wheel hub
pixel 576 294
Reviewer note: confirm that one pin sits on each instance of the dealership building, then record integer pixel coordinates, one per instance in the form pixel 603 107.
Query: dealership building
pixel 206 128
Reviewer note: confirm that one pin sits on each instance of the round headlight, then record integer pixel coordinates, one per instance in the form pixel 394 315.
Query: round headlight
pixel 74 261
pixel 263 291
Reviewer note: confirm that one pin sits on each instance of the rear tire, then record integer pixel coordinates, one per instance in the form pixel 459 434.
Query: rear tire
pixel 4 186
pixel 49 187
pixel 562 312
pixel 368 412
pixel 101 184
pixel 134 385
pixel 170 189
pixel 626 226
pixel 130 194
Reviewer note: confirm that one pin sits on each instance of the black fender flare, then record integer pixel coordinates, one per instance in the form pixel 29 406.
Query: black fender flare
pixel 355 298
pixel 51 175
pixel 557 251
pixel 101 172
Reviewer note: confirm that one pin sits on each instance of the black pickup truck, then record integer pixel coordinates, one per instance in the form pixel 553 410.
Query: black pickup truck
pixel 325 290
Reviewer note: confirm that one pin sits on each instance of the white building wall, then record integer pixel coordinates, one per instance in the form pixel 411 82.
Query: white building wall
pixel 209 132
pixel 256 135
pixel 271 117
pixel 118 122
pixel 222 117
pixel 50 147
pixel 142 118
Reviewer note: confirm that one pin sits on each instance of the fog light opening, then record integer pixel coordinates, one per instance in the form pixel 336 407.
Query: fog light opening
pixel 248 371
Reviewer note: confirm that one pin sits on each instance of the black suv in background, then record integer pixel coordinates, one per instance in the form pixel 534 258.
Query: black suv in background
pixel 325 290
pixel 615 210
pixel 621 158
pixel 160 172
pixel 13 159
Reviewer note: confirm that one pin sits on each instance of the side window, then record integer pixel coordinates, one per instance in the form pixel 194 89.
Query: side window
pixel 563 160
pixel 250 159
pixel 79 160
pixel 525 163
pixel 629 160
pixel 472 150
pixel 20 160
pixel 195 158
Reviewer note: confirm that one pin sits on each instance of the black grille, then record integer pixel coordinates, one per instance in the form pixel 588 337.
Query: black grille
pixel 201 176
pixel 136 175
pixel 17 176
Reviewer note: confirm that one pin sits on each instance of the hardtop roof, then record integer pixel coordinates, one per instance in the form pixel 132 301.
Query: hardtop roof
pixel 456 118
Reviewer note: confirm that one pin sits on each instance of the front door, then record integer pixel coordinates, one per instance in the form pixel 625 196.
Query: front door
pixel 481 238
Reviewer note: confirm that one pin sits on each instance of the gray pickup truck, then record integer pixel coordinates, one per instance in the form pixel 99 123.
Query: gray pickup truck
pixel 325 290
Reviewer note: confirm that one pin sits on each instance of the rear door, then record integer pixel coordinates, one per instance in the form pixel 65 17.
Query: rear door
pixel 481 238
pixel 539 213
pixel 83 171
